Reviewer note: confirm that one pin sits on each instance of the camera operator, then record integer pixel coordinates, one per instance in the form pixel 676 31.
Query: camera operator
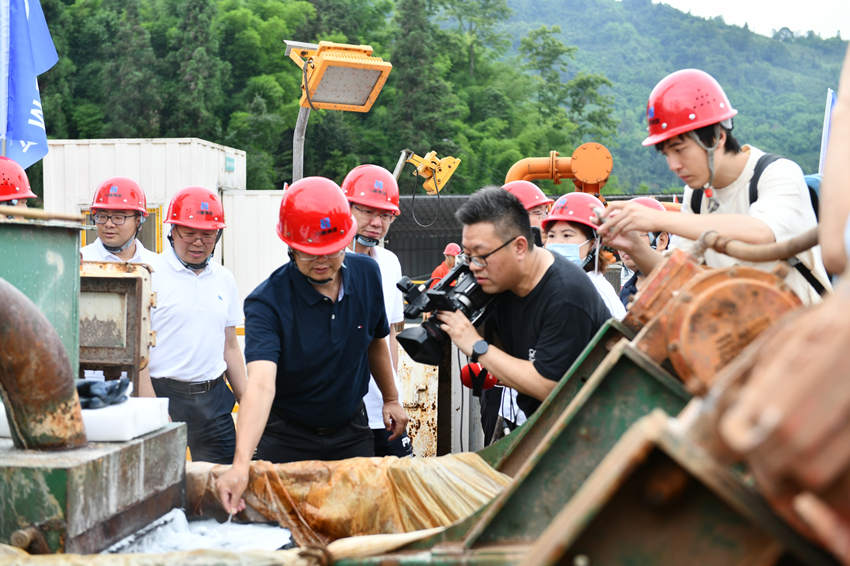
pixel 545 310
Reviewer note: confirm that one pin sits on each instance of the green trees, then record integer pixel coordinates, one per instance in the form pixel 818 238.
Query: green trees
pixel 488 81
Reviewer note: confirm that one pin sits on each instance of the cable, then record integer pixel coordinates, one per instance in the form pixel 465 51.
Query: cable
pixel 308 62
pixel 413 204
pixel 460 437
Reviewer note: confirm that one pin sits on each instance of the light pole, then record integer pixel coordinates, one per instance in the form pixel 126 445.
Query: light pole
pixel 335 76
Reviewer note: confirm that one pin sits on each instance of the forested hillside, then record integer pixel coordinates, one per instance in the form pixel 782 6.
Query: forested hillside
pixel 778 85
pixel 489 81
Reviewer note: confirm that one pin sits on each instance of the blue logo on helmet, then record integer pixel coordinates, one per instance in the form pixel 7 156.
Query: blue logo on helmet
pixel 325 223
pixel 205 206
pixel 113 189
pixel 650 112
pixel 379 184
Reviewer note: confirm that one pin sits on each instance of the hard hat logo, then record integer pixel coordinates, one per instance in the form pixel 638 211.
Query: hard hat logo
pixel 315 217
pixel 372 186
pixel 120 193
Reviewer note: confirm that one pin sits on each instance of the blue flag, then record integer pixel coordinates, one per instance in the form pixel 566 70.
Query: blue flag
pixel 26 51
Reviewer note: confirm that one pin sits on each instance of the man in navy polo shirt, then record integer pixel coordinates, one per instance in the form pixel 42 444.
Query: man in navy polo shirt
pixel 314 330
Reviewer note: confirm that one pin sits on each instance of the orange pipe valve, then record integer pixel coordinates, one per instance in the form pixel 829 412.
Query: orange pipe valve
pixel 589 167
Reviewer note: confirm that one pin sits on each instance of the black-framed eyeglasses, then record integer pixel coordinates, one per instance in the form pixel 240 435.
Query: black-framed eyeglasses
pixel 481 260
pixel 117 219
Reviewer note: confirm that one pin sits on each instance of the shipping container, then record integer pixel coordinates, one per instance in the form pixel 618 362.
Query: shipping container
pixel 73 169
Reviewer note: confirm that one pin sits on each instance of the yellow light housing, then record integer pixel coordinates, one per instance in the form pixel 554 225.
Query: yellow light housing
pixel 339 76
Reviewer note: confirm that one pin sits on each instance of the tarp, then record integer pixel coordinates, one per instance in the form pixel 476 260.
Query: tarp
pixel 320 502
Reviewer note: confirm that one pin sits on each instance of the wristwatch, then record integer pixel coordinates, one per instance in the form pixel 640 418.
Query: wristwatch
pixel 479 349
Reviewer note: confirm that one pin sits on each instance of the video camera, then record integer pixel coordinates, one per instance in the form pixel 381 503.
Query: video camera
pixel 458 290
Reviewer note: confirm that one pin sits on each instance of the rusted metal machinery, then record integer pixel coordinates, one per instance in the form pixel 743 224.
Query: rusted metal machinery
pixel 783 406
pixel 38 390
pixel 59 493
pixel 40 258
pixel 115 303
pixel 588 167
pixel 553 456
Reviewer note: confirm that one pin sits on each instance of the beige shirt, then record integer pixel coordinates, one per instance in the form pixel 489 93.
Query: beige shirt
pixel 783 204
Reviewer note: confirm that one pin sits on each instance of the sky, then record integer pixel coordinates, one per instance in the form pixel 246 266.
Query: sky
pixel 824 17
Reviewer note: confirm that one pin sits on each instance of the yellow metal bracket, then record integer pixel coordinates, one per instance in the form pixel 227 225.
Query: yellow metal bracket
pixel 435 171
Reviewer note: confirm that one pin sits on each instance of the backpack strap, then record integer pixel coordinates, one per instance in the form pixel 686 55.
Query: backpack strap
pixel 696 200
pixel 761 165
pixel 794 261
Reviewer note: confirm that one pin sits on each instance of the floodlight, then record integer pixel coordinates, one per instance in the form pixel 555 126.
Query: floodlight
pixel 338 76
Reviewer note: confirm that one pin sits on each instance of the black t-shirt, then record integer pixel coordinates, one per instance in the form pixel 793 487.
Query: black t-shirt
pixel 551 325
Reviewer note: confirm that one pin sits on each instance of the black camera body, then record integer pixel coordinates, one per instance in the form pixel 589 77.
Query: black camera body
pixel 458 290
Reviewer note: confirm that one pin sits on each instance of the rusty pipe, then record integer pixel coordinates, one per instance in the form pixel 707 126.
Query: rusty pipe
pixel 36 382
pixel 758 252
pixel 589 167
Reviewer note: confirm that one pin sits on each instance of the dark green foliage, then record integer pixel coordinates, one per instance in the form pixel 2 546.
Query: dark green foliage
pixel 488 81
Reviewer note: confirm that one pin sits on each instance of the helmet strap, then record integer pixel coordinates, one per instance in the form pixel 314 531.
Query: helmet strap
pixel 366 241
pixel 199 265
pixel 709 186
pixel 307 277
pixel 125 245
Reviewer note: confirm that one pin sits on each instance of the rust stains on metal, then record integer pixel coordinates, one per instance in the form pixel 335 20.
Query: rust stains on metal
pixel 36 380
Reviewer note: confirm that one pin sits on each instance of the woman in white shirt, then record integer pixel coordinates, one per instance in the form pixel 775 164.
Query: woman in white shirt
pixel 570 230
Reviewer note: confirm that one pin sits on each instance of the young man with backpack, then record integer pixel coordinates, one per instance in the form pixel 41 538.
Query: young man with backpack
pixel 738 191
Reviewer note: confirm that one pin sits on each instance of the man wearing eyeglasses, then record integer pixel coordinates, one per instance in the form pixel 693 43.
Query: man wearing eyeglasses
pixel 546 309
pixel 197 311
pixel 372 192
pixel 118 210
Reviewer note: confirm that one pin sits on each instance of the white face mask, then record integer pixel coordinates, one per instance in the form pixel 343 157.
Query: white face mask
pixel 570 251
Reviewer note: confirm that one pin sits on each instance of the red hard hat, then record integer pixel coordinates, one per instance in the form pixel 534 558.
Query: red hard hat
pixel 372 186
pixel 196 207
pixel 451 249
pixel 120 193
pixel 574 207
pixel 315 217
pixel 528 193
pixel 474 369
pixel 649 202
pixel 14 184
pixel 684 101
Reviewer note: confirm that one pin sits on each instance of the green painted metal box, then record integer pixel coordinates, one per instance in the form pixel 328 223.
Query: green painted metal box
pixel 42 259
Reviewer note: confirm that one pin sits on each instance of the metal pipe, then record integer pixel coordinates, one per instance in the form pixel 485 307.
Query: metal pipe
pixel 758 252
pixel 588 167
pixel 402 159
pixel 298 143
pixel 531 168
pixel 36 381
pixel 39 214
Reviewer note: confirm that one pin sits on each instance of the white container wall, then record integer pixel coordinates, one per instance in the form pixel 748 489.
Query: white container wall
pixel 73 169
pixel 250 246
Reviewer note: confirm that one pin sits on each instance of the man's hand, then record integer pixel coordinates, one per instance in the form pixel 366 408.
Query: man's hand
pixel 459 329
pixel 230 486
pixel 622 217
pixel 395 418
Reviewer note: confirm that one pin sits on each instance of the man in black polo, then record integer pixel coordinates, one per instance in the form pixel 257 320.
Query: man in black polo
pixel 313 332
pixel 546 309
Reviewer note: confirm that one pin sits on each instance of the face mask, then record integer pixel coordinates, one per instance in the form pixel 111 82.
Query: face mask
pixel 569 251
